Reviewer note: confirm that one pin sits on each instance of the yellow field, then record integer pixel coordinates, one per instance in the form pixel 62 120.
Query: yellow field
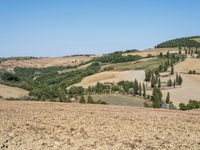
pixel 112 77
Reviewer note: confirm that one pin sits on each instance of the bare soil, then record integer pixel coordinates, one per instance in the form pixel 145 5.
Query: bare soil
pixel 55 126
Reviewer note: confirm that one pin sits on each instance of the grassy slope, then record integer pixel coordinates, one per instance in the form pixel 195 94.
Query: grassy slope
pixel 143 64
pixel 116 99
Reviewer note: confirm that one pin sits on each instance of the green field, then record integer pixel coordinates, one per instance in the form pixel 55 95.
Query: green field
pixel 116 99
pixel 143 64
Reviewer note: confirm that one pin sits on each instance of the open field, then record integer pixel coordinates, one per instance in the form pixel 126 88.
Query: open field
pixel 189 90
pixel 116 99
pixel 153 52
pixel 42 125
pixel 112 76
pixel 45 62
pixel 8 91
pixel 187 65
pixel 146 63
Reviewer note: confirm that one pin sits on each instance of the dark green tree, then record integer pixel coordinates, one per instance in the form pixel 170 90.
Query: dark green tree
pixel 168 98
pixel 82 100
pixel 140 89
pixel 90 99
pixel 144 90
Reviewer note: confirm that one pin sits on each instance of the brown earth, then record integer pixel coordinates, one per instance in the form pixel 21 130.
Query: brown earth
pixel 45 62
pixel 55 126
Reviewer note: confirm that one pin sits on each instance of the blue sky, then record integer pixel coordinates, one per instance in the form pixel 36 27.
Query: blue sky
pixel 64 27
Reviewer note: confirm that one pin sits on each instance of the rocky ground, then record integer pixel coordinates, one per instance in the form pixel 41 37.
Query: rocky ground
pixel 42 125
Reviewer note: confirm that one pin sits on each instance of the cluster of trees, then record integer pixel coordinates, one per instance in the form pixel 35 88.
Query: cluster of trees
pixel 192 72
pixel 117 57
pixel 90 100
pixel 177 81
pixel 49 84
pixel 193 104
pixel 180 42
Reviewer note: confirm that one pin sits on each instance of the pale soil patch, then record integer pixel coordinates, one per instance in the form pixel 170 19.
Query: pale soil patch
pixel 112 77
pixel 45 62
pixel 40 125
pixel 8 91
pixel 187 65
pixel 153 52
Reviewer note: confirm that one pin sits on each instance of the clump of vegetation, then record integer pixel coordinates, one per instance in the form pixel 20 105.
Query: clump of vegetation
pixel 180 42
pixel 192 72
pixel 117 57
pixel 193 104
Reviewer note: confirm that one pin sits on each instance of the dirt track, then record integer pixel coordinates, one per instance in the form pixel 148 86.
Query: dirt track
pixel 40 125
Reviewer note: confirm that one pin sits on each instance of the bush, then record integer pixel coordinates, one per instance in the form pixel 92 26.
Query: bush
pixel 7 76
pixel 193 104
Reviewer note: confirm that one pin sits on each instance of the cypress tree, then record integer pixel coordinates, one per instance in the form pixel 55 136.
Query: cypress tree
pixel 159 83
pixel 140 89
pixel 174 83
pixel 169 83
pixel 168 98
pixel 82 100
pixel 136 87
pixel 172 69
pixel 144 90
pixel 156 97
pixel 90 100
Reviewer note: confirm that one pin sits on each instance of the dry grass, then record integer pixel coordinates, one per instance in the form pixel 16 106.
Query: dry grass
pixel 112 76
pixel 153 52
pixel 40 125
pixel 45 62
pixel 187 65
pixel 8 91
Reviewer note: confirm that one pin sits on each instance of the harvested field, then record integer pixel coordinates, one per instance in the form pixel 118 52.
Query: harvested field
pixel 111 77
pixel 8 91
pixel 187 65
pixel 45 62
pixel 42 125
pixel 153 52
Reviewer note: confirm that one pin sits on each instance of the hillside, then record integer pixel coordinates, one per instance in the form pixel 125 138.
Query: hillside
pixel 32 125
pixel 111 77
pixel 192 41
pixel 45 62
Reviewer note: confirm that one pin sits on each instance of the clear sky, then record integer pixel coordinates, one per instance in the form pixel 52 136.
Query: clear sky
pixel 64 27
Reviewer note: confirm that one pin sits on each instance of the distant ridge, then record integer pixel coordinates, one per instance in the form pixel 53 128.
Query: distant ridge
pixel 192 41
